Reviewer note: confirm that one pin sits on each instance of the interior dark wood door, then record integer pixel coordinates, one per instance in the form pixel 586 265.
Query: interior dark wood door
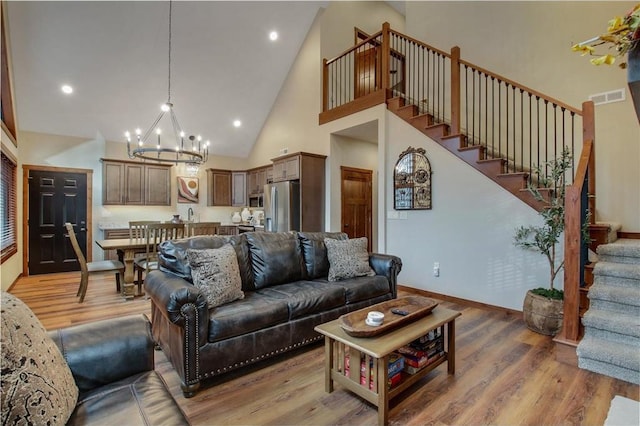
pixel 366 76
pixel 54 199
pixel 357 203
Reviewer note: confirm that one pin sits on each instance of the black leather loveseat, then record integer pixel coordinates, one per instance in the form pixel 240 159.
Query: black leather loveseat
pixel 286 294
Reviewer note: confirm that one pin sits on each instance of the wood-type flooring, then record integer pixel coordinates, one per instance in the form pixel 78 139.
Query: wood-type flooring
pixel 505 374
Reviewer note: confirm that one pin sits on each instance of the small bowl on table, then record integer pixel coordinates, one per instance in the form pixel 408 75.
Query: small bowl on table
pixel 374 318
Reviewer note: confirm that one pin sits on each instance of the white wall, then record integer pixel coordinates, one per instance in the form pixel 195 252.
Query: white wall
pixel 469 230
pixel 530 42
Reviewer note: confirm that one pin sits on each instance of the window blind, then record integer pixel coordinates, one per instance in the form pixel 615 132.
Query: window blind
pixel 8 202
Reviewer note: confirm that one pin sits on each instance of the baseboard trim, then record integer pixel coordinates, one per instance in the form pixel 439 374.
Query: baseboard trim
pixel 630 235
pixel 14 282
pixel 461 301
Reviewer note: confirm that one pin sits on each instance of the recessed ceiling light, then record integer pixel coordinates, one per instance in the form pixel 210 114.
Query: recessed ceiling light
pixel 273 35
pixel 67 89
pixel 237 123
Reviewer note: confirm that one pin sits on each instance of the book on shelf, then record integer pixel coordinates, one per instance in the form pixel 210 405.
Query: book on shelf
pixel 412 366
pixel 394 373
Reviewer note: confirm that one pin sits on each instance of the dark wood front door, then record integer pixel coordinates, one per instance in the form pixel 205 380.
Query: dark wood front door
pixel 54 199
pixel 356 202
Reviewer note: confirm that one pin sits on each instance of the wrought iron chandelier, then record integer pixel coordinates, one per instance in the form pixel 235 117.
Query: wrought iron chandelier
pixel 192 151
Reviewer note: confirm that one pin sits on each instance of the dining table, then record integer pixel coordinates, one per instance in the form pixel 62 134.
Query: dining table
pixel 126 248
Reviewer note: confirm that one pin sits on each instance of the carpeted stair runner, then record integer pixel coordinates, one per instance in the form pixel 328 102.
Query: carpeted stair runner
pixel 611 343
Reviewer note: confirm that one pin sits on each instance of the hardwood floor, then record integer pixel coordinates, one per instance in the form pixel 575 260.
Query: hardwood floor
pixel 505 374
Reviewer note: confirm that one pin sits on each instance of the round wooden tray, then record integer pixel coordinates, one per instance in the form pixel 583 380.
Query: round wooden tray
pixel 354 324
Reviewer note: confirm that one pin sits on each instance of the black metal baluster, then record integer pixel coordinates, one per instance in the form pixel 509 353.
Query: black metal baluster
pixel 493 117
pixel 546 134
pixel 466 98
pixel 500 123
pixel 538 130
pixel 513 128
pixel 555 131
pixel 486 113
pixel 530 139
pixel 506 109
pixel 573 148
pixel 473 106
pixel 521 132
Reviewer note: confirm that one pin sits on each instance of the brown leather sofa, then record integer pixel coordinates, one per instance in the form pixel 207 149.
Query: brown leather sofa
pixel 284 279
pixel 112 362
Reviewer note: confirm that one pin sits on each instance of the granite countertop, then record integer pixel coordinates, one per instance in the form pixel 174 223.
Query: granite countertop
pixel 120 225
pixel 112 225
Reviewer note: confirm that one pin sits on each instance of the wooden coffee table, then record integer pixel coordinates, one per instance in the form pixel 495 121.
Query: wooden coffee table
pixel 376 351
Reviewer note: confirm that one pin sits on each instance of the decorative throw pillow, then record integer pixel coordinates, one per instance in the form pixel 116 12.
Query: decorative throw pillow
pixel 348 258
pixel 37 384
pixel 216 273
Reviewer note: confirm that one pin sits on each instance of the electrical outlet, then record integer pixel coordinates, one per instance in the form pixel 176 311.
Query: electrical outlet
pixel 436 269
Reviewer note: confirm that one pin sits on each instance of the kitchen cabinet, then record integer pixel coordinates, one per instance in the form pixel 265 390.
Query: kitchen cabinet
pixel 218 187
pixel 287 168
pixel 239 189
pixel 257 179
pixel 309 169
pixel 135 183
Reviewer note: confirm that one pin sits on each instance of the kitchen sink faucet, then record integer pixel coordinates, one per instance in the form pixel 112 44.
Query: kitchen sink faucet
pixel 189 214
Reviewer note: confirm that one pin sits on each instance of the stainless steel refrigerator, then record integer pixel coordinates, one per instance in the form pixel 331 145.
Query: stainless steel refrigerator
pixel 282 206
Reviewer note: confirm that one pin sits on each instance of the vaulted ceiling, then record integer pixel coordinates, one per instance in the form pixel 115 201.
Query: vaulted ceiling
pixel 115 56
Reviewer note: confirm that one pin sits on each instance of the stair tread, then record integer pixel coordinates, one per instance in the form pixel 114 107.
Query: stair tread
pixel 621 247
pixel 620 270
pixel 492 160
pixel 622 323
pixel 620 354
pixel 624 296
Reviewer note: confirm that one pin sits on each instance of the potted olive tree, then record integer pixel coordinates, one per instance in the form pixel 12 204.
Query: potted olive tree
pixel 542 307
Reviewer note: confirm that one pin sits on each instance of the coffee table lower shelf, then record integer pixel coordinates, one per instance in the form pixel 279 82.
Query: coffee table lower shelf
pixel 376 352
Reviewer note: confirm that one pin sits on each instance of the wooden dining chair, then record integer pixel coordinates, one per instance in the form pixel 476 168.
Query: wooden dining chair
pixel 138 228
pixel 156 234
pixel 89 268
pixel 201 228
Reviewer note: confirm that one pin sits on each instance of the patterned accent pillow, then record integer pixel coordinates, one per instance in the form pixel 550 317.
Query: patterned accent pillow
pixel 37 384
pixel 216 273
pixel 348 258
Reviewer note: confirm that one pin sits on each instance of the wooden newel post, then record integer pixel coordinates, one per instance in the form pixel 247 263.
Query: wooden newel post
pixel 386 58
pixel 572 237
pixel 455 90
pixel 325 85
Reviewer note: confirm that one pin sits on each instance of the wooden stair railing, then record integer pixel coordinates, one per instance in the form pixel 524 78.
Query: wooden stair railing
pixel 517 126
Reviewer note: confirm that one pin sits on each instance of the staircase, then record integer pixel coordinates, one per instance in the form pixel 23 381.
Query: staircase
pixel 497 125
pixel 474 155
pixel 611 343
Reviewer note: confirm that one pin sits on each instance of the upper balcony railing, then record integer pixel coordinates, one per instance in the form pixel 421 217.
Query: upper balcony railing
pixel 522 125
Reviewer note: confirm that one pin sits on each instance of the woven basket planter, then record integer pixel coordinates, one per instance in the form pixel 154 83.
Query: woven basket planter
pixel 541 314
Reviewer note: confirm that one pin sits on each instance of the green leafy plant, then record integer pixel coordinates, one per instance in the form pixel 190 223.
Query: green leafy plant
pixel 545 238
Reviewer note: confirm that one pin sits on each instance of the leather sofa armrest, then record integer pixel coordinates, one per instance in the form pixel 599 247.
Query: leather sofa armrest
pixel 179 301
pixel 106 351
pixel 388 266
